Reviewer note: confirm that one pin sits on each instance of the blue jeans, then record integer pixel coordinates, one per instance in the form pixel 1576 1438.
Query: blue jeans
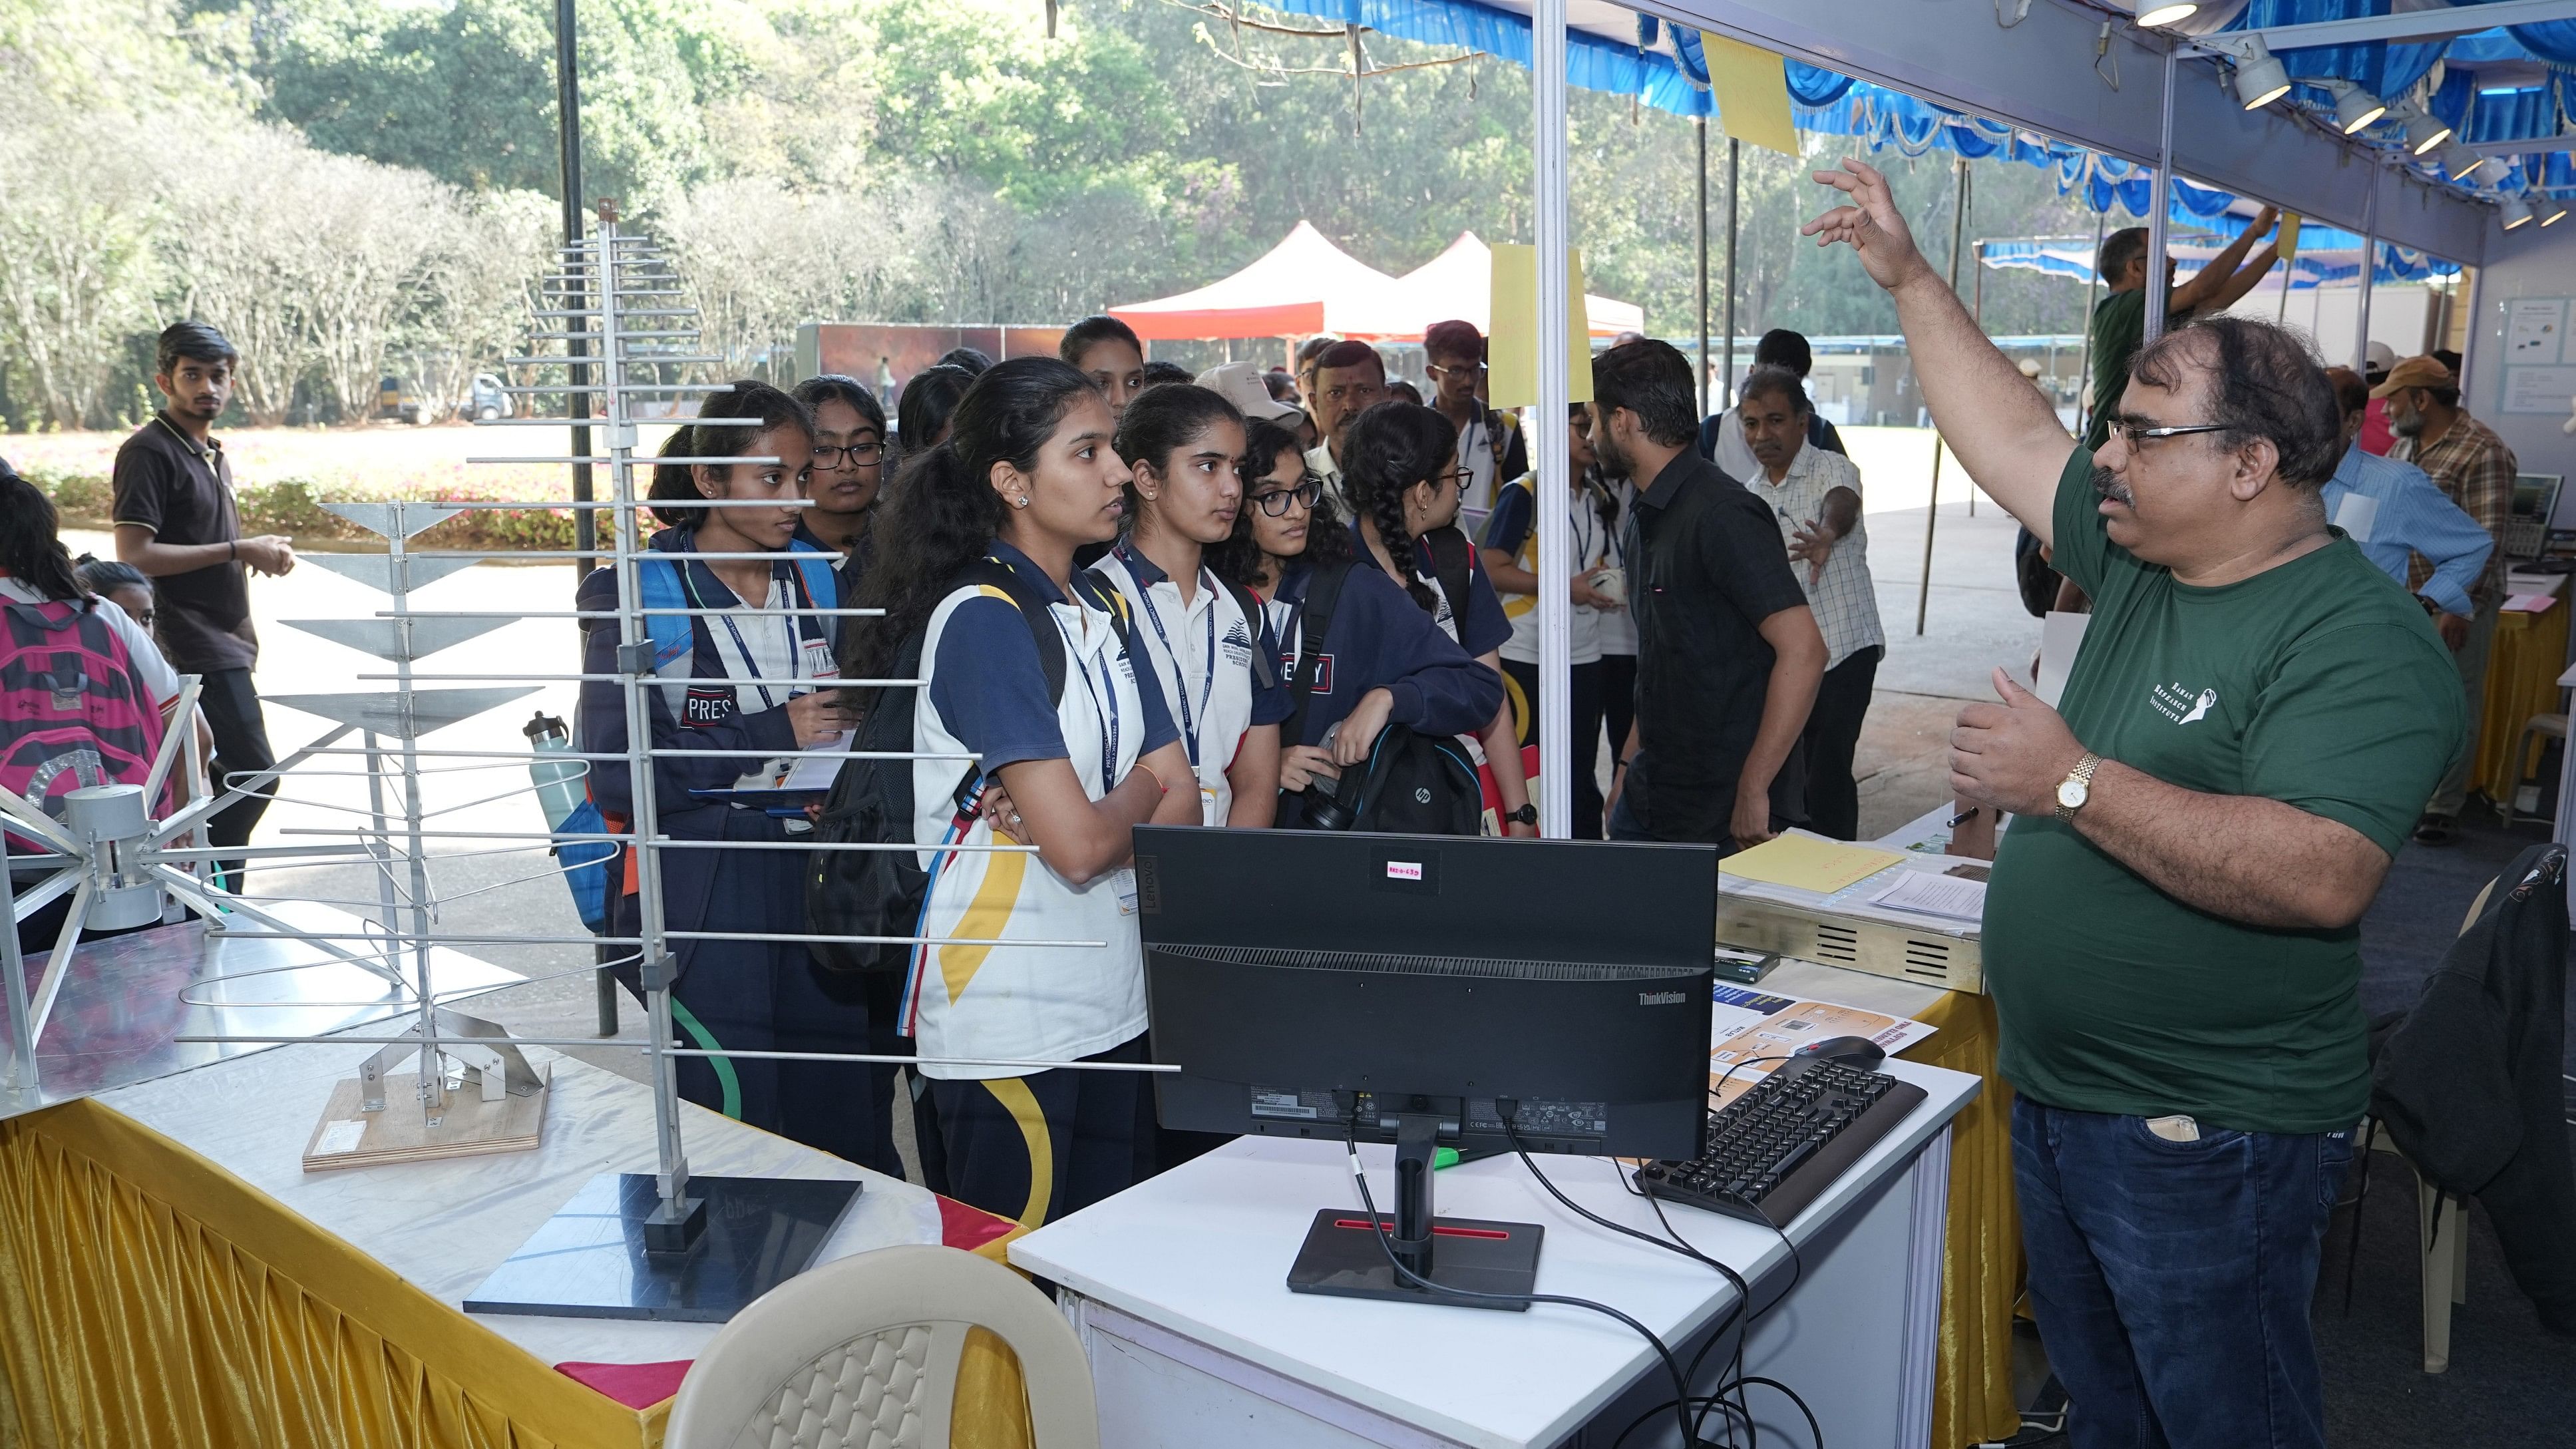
pixel 2171 1280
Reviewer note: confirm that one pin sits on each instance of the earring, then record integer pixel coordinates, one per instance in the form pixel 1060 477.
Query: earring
pixel 1019 503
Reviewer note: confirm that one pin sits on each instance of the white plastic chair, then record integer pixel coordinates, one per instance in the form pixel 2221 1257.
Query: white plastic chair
pixel 862 1353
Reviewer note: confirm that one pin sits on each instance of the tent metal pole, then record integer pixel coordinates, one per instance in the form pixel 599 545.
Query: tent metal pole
pixel 1932 504
pixel 1555 606
pixel 2369 278
pixel 1700 126
pixel 1725 394
pixel 2084 367
pixel 1977 313
pixel 2157 287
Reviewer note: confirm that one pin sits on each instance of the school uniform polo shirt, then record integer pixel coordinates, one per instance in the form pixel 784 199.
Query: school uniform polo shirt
pixel 1705 568
pixel 164 482
pixel 1512 528
pixel 985 694
pixel 1203 652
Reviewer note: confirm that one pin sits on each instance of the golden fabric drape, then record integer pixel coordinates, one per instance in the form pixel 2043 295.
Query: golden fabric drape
pixel 1981 1267
pixel 2530 651
pixel 148 1297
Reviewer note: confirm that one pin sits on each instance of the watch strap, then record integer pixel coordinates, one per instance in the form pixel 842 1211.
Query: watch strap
pixel 2083 773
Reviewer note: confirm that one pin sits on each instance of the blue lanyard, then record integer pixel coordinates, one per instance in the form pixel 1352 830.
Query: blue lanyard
pixel 1107 720
pixel 751 666
pixel 1207 681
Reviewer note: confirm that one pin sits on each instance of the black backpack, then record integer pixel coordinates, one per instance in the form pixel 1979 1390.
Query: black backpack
pixel 880 892
pixel 1410 784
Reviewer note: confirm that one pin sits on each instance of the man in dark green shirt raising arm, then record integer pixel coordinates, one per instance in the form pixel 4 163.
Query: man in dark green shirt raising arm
pixel 2119 324
pixel 2170 932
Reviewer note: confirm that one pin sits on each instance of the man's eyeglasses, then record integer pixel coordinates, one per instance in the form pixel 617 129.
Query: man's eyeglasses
pixel 1469 370
pixel 861 455
pixel 2134 431
pixel 1274 503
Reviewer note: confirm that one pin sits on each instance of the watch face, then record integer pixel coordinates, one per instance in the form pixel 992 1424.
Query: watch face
pixel 2071 794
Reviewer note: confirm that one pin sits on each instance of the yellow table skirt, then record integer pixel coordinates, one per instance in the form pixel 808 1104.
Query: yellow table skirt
pixel 148 1297
pixel 2530 652
pixel 1981 1266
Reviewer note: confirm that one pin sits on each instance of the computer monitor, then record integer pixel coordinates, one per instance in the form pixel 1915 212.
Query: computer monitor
pixel 2535 504
pixel 1430 992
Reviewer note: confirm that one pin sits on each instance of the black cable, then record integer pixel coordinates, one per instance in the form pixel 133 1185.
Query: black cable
pixel 1743 1290
pixel 1814 1431
pixel 1377 1230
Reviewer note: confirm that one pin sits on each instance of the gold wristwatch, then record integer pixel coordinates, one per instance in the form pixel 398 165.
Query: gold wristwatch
pixel 2077 787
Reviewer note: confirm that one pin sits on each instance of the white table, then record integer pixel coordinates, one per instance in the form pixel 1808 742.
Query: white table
pixel 1178 1288
pixel 445 1225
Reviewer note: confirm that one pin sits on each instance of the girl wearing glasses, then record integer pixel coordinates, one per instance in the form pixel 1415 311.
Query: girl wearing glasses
pixel 1403 478
pixel 849 465
pixel 1380 660
pixel 1211 642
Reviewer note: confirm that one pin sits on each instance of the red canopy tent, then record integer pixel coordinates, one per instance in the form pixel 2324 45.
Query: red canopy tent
pixel 1303 286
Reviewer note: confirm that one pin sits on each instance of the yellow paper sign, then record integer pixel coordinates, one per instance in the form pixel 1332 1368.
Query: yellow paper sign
pixel 1752 90
pixel 2289 237
pixel 1511 350
pixel 1808 863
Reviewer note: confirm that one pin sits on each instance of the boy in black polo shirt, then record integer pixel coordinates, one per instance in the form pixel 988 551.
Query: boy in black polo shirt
pixel 176 522
pixel 1728 653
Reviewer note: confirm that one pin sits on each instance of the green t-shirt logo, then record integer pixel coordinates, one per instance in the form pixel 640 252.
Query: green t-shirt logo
pixel 2176 702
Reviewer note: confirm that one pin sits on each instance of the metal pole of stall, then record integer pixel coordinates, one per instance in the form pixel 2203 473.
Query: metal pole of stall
pixel 1977 314
pixel 2369 278
pixel 21 1075
pixel 1932 504
pixel 1555 606
pixel 2084 367
pixel 1734 233
pixel 585 521
pixel 1700 125
pixel 2157 286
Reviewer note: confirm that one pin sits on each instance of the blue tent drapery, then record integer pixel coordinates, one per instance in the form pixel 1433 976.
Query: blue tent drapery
pixel 1664 68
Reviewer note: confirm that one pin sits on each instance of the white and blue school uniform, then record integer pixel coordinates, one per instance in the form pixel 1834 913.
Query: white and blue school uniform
pixel 1203 652
pixel 984 693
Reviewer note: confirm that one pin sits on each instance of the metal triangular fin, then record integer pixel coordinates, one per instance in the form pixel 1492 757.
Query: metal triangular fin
pixel 376 570
pixel 385 638
pixel 388 714
pixel 398 519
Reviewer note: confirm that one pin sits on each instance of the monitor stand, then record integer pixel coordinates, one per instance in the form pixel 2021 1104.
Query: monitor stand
pixel 1343 1257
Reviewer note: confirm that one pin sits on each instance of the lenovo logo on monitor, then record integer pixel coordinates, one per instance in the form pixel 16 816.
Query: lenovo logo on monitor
pixel 1662 998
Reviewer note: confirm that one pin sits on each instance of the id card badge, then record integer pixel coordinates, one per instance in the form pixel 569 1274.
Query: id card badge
pixel 1125 884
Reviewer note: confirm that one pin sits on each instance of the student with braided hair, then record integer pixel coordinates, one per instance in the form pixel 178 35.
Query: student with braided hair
pixel 1400 470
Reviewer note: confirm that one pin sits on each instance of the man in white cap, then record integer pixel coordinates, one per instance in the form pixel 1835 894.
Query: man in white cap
pixel 1240 384
pixel 2376 436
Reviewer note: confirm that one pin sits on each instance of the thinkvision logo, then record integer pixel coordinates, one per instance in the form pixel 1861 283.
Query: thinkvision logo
pixel 1662 998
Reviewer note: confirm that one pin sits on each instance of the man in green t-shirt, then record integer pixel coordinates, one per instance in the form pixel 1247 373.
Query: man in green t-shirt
pixel 2170 931
pixel 2119 325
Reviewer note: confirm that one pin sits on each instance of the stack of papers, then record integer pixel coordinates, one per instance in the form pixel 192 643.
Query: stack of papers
pixel 1927 893
pixel 1809 862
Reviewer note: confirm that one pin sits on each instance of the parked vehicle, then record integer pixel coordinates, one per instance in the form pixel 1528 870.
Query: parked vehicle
pixel 486 399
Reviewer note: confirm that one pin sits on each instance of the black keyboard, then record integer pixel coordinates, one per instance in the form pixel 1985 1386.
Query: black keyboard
pixel 1777 1147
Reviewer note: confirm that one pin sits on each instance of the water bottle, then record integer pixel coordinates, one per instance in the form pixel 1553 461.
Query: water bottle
pixel 559 781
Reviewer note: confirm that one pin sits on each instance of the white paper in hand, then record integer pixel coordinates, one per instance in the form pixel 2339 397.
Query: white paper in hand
pixel 816 771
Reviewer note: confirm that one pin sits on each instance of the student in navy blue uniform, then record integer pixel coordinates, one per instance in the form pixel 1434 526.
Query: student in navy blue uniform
pixel 1027 476
pixel 1384 662
pixel 1401 474
pixel 1105 350
pixel 1185 447
pixel 755 995
pixel 849 465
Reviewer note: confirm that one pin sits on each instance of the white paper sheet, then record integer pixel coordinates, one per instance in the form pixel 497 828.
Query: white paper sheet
pixel 2061 638
pixel 1933 894
pixel 2355 514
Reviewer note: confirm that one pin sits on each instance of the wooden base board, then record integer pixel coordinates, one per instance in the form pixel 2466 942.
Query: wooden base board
pixel 467 1126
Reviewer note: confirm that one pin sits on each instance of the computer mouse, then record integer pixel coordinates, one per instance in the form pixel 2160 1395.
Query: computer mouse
pixel 1857 1052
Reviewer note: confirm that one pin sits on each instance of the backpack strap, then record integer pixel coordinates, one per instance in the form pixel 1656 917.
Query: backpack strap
pixel 1111 600
pixel 822 585
pixel 659 587
pixel 1451 565
pixel 1265 672
pixel 990 572
pixel 1315 620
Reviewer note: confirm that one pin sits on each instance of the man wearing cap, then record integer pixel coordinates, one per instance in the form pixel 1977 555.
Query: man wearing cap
pixel 1490 446
pixel 2375 437
pixel 2396 515
pixel 2474 468
pixel 1240 384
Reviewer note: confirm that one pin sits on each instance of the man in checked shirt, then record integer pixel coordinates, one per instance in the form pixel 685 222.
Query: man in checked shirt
pixel 2468 462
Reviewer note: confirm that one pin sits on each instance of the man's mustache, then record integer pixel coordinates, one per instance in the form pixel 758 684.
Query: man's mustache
pixel 2107 484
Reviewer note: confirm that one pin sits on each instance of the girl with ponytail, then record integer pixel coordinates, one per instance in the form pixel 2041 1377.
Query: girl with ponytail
pixel 976 562
pixel 1211 642
pixel 1400 470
